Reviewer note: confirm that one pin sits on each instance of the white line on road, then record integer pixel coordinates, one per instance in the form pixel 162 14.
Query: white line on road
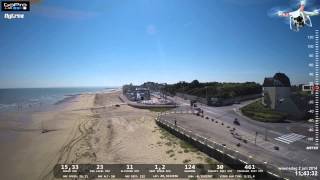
pixel 289 138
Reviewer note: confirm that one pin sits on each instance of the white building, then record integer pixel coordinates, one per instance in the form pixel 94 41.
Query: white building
pixel 136 93
pixel 276 90
pixel 277 95
pixel 142 94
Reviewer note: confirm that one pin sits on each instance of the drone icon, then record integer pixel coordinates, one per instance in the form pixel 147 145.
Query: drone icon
pixel 299 18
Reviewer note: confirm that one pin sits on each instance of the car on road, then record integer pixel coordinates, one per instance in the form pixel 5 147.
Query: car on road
pixel 236 122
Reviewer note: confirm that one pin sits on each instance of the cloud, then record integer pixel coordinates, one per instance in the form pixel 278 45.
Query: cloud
pixel 151 29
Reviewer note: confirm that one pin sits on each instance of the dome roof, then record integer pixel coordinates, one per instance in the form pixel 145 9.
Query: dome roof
pixel 283 79
pixel 278 80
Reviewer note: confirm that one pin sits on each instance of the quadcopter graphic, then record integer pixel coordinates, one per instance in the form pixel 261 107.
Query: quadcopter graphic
pixel 299 18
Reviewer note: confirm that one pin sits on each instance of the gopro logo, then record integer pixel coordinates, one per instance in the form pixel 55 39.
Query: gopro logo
pixel 15 6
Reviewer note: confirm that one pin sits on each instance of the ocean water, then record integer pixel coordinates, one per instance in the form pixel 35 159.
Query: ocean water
pixel 30 98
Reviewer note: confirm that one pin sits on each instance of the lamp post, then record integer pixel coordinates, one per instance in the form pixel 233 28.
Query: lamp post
pixel 266 135
pixel 255 138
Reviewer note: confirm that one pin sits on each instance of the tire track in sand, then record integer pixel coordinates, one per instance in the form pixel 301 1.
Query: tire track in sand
pixel 64 153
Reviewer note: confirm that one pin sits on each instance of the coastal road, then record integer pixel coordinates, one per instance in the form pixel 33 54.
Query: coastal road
pixel 290 137
pixel 271 130
pixel 264 130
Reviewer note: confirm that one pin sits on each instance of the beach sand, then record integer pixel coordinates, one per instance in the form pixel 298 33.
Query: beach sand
pixel 88 129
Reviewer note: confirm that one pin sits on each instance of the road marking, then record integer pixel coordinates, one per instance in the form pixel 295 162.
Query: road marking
pixel 289 138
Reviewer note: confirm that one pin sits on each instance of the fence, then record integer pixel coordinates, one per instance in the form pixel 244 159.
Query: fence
pixel 224 154
pixel 145 106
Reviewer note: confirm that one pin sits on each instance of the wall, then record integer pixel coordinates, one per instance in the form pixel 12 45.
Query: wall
pixel 220 102
pixel 272 95
pixel 193 98
pixel 123 98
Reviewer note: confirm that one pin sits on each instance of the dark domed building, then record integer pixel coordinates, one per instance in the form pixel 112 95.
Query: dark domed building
pixel 276 90
pixel 277 94
pixel 278 80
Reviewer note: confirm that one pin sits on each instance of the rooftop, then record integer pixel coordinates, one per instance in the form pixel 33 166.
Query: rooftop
pixel 278 80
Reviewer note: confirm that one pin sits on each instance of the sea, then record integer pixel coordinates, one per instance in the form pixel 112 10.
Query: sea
pixel 30 99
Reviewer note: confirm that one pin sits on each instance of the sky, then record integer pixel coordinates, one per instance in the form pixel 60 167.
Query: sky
pixel 113 42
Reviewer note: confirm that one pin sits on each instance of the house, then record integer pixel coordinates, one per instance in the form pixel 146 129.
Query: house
pixel 136 93
pixel 276 92
pixel 142 94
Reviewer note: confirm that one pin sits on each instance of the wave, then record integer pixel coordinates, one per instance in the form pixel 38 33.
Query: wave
pixel 66 99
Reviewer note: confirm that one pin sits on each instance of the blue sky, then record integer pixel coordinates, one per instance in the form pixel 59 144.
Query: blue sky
pixel 113 42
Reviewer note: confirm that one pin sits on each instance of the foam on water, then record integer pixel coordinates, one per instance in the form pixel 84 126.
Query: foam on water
pixel 37 98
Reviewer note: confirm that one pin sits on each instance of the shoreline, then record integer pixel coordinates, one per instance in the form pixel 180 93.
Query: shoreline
pixel 41 99
pixel 80 133
pixel 27 144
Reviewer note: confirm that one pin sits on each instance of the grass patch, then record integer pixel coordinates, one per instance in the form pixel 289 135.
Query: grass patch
pixel 187 146
pixel 209 161
pixel 168 143
pixel 259 112
pixel 186 161
pixel 171 155
pixel 167 135
pixel 169 151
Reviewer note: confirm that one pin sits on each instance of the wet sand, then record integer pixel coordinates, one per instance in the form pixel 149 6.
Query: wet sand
pixel 88 129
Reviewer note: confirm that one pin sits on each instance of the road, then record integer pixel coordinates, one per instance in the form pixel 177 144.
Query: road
pixel 289 153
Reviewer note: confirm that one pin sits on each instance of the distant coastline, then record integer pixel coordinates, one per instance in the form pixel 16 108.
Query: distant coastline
pixel 36 99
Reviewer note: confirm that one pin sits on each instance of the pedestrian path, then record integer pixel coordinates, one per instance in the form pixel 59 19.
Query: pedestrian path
pixel 289 138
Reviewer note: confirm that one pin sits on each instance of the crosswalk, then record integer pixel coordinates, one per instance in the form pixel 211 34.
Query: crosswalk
pixel 289 138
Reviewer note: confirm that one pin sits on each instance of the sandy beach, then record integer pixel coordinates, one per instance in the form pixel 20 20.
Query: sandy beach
pixel 87 129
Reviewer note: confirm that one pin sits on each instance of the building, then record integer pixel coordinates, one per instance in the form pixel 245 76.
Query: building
pixel 136 93
pixel 142 94
pixel 276 92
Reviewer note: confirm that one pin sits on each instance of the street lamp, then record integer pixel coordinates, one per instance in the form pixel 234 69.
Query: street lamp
pixel 255 138
pixel 250 159
pixel 266 135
